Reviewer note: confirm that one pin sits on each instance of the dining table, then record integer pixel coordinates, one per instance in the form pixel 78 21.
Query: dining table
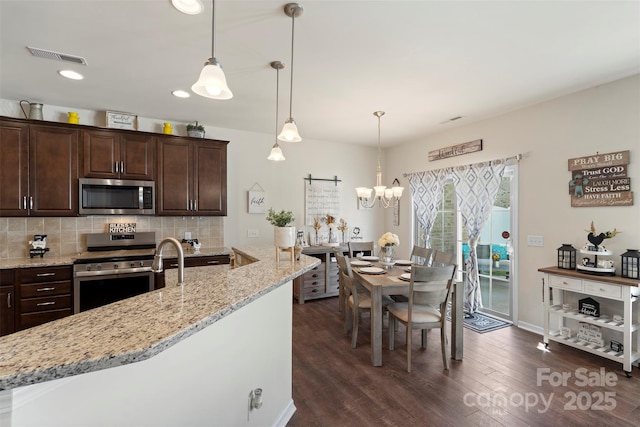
pixel 389 282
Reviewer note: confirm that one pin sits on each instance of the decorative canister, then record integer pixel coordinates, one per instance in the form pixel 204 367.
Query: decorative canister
pixel 167 129
pixel 73 117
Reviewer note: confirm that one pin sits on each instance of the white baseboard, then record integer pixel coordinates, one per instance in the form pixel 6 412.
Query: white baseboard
pixel 286 415
pixel 531 328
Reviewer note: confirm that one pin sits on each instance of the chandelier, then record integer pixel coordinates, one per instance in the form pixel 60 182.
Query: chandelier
pixel 386 197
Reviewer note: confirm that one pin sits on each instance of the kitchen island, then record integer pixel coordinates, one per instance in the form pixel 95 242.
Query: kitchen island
pixel 185 355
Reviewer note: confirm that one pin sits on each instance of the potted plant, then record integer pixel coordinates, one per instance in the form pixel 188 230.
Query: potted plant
pixel 284 232
pixel 195 130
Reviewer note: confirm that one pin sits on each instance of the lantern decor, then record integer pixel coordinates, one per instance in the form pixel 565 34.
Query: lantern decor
pixel 630 264
pixel 567 257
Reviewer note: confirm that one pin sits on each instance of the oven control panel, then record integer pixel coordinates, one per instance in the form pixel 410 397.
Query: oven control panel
pixel 112 267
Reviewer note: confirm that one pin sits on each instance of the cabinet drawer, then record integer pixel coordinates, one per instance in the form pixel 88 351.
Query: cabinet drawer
pixel 565 283
pixel 315 274
pixel 45 274
pixel 602 289
pixel 312 283
pixel 45 303
pixel 313 290
pixel 45 289
pixel 28 320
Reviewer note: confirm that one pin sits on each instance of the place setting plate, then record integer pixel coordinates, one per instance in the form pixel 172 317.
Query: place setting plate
pixel 405 276
pixel 369 258
pixel 358 263
pixel 372 270
pixel 404 262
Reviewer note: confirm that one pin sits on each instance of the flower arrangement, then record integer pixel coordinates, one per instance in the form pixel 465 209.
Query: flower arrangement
pixel 343 228
pixel 330 220
pixel 280 219
pixel 388 239
pixel 317 225
pixel 496 257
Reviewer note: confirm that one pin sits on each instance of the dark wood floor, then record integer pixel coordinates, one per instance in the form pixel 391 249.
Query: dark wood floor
pixel 335 385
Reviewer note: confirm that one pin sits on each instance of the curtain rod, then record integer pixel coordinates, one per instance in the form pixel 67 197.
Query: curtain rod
pixel 515 158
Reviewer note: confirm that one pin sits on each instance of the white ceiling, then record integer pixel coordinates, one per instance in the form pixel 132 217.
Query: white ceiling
pixel 423 62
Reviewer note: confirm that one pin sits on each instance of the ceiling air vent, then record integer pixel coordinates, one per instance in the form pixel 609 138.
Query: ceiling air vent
pixel 49 54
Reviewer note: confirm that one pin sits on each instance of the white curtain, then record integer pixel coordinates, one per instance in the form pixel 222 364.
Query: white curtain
pixel 476 189
pixel 427 189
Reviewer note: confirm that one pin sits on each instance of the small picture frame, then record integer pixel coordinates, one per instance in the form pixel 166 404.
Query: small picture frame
pixel 120 120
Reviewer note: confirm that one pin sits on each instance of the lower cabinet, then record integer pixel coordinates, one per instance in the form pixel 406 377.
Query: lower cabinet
pixel 320 282
pixel 44 295
pixel 7 302
pixel 608 325
pixel 191 261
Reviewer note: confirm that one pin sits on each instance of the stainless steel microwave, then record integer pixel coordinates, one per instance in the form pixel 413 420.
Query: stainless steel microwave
pixel 116 197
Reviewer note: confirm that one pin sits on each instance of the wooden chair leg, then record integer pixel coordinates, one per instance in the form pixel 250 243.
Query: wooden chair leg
pixel 424 338
pixel 443 339
pixel 409 330
pixel 356 325
pixel 347 318
pixel 393 326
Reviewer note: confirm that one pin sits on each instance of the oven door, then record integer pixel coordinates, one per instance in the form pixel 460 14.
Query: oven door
pixel 95 291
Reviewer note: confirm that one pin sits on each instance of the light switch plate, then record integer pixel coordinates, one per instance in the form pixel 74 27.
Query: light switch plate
pixel 187 235
pixel 535 241
pixel 253 232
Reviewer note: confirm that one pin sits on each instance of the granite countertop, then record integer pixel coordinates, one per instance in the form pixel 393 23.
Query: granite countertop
pixel 46 261
pixel 140 327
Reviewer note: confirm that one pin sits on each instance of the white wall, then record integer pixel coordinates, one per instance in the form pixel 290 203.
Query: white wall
pixel 598 120
pixel 247 164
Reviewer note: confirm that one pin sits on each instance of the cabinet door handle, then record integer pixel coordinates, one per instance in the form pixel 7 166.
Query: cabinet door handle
pixel 9 300
pixel 121 167
pixel 195 205
pixel 30 202
pixel 45 303
pixel 45 289
pixel 45 274
pixel 173 265
pixel 24 202
pixel 213 262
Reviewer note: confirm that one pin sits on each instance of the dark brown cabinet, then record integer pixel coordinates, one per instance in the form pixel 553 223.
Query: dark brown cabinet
pixel 118 155
pixel 7 302
pixel 39 169
pixel 45 295
pixel 191 261
pixel 192 177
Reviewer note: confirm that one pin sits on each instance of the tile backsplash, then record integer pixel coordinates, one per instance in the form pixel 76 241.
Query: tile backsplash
pixel 67 236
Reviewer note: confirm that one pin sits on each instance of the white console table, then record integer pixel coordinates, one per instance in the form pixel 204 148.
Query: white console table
pixel 616 296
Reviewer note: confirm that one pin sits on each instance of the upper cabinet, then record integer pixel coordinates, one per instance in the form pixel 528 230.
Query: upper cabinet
pixel 192 177
pixel 39 169
pixel 118 155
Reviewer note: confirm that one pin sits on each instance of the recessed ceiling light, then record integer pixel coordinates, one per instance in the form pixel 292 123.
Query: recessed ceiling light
pixel 190 7
pixel 70 74
pixel 181 93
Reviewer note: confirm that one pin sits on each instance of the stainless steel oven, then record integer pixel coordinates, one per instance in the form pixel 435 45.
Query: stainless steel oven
pixel 116 266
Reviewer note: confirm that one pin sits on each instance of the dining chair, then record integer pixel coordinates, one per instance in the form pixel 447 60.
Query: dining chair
pixel 357 298
pixel 441 259
pixel 421 255
pixel 356 247
pixel 429 290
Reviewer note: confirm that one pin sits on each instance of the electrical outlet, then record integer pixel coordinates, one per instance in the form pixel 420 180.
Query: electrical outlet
pixel 535 241
pixel 187 235
pixel 253 232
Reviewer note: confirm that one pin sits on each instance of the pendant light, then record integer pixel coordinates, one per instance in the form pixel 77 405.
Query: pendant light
pixel 276 152
pixel 212 82
pixel 290 129
pixel 386 197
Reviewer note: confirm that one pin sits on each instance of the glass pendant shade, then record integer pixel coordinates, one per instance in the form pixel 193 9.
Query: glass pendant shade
pixel 276 153
pixel 212 82
pixel 290 132
pixel 386 197
pixel 190 7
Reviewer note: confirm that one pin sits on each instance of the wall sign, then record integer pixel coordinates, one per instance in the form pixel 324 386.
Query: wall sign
pixel 321 197
pixel 600 180
pixel 456 150
pixel 119 120
pixel 256 200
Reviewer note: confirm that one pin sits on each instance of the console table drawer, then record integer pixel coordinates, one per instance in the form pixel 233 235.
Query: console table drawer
pixel 565 283
pixel 602 289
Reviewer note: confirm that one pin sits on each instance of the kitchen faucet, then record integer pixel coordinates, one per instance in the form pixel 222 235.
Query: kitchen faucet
pixel 157 259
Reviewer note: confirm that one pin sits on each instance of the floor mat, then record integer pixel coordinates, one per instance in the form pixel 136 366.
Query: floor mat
pixel 481 323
